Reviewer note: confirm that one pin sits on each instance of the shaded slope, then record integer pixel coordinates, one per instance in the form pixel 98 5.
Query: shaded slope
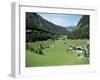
pixel 36 22
pixel 82 29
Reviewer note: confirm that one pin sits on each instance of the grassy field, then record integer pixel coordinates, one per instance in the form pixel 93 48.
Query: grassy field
pixel 55 56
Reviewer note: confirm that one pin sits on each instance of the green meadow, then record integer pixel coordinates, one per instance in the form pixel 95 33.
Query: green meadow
pixel 51 44
pixel 55 56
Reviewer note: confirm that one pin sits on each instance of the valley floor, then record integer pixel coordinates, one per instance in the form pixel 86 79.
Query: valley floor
pixel 57 55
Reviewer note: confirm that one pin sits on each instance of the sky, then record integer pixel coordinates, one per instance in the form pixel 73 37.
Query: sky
pixel 64 20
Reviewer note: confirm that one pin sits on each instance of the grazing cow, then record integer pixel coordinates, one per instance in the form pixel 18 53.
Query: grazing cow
pixel 77 49
pixel 82 52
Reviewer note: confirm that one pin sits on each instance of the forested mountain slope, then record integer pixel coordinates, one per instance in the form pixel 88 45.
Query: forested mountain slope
pixel 82 29
pixel 35 22
pixel 39 29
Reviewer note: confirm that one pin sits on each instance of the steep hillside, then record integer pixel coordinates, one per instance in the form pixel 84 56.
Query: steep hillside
pixel 36 22
pixel 82 29
pixel 83 21
pixel 39 29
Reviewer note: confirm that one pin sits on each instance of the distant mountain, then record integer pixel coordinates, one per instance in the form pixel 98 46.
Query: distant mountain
pixel 35 22
pixel 70 28
pixel 82 29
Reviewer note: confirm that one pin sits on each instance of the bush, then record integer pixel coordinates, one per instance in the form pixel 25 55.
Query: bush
pixel 40 51
pixel 41 46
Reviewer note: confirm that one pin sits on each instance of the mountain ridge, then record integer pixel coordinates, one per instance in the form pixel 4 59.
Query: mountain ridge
pixel 35 21
pixel 82 29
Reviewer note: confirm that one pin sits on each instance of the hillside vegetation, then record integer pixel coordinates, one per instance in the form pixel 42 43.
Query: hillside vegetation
pixel 48 44
pixel 37 28
pixel 82 29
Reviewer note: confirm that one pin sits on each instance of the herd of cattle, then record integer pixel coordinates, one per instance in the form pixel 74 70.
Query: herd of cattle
pixel 79 51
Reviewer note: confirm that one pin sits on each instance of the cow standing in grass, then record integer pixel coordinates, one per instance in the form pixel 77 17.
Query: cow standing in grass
pixel 80 51
pixel 77 49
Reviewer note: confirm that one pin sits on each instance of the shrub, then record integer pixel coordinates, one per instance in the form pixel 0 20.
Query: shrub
pixel 41 46
pixel 40 51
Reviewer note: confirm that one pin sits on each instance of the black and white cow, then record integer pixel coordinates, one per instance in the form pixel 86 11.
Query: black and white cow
pixel 77 49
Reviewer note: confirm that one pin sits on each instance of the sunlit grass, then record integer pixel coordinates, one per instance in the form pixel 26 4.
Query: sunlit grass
pixel 59 55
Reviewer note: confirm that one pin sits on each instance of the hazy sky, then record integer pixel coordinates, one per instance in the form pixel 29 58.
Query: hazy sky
pixel 62 19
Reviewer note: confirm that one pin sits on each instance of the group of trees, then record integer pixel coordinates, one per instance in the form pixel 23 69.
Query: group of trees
pixel 40 36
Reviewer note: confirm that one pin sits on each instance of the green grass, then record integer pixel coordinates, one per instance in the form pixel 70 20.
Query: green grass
pixel 55 56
